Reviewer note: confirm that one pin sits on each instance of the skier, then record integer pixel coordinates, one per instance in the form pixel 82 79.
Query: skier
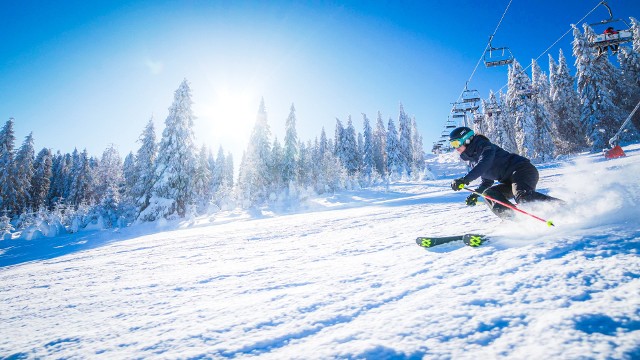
pixel 516 175
pixel 609 35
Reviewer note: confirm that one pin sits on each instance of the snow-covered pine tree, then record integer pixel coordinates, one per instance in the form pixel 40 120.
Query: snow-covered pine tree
pixel 109 182
pixel 544 149
pixel 291 151
pixel 395 164
pixel 353 156
pixel 315 164
pixel 254 180
pixel 380 146
pixel 323 144
pixel 202 180
pixel 55 188
pixel 82 184
pixel 600 115
pixel 489 107
pixel 567 133
pixel 24 169
pixel 130 174
pixel 320 151
pixel 172 192
pixel 303 166
pixel 347 147
pixel 276 167
pixel 418 149
pixel 41 180
pixel 368 160
pixel 217 175
pixel 338 136
pixel 8 192
pixel 145 166
pixel 227 174
pixel 505 124
pixel 519 105
pixel 404 144
pixel 5 226
pixel 223 195
pixel 333 174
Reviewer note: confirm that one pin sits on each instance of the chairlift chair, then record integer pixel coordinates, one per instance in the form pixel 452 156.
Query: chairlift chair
pixel 470 96
pixel 463 107
pixel 458 108
pixel 610 41
pixel 497 56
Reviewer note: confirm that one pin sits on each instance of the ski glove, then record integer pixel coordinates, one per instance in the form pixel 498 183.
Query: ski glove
pixel 458 184
pixel 472 200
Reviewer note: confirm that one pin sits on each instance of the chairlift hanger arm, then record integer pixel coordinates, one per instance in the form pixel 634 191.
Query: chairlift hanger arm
pixel 608 9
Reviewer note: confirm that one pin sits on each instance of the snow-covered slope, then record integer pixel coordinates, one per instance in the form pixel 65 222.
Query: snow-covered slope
pixel 345 279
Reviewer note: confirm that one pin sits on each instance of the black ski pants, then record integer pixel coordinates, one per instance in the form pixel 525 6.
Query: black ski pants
pixel 521 186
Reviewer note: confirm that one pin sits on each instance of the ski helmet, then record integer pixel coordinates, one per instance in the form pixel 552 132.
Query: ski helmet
pixel 460 136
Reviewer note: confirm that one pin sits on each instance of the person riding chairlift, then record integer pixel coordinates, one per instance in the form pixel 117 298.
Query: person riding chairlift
pixel 609 32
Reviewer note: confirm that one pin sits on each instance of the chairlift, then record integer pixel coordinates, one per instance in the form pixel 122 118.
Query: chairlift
pixel 478 118
pixel 610 40
pixel 470 96
pixel 497 56
pixel 458 108
pixel 463 107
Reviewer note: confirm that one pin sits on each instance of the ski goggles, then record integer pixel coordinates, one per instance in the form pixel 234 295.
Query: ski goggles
pixel 456 143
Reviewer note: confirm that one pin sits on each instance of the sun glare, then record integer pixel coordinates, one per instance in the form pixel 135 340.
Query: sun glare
pixel 226 118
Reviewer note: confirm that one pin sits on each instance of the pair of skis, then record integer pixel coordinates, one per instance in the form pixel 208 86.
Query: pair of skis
pixel 473 240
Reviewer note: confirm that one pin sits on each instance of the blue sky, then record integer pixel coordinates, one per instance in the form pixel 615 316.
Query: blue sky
pixel 86 74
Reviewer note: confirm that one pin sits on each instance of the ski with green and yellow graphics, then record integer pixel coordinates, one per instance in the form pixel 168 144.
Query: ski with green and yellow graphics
pixel 473 240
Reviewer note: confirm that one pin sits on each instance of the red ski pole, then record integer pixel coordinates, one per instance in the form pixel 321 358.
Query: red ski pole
pixel 548 222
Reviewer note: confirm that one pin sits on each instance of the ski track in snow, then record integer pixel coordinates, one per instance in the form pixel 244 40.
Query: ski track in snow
pixel 344 279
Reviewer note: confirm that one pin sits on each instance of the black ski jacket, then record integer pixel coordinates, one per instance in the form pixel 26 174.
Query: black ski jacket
pixel 489 161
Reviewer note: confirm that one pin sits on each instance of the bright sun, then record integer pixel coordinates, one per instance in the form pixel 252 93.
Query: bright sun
pixel 226 118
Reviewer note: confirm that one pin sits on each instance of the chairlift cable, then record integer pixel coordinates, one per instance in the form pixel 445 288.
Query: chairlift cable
pixel 487 47
pixel 484 51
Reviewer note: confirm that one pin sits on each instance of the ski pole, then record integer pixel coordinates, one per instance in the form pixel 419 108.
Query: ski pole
pixel 548 222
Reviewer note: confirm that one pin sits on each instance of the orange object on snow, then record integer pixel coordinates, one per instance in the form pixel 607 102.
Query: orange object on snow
pixel 615 152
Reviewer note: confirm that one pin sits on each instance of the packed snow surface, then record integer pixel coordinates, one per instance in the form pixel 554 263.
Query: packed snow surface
pixel 342 277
